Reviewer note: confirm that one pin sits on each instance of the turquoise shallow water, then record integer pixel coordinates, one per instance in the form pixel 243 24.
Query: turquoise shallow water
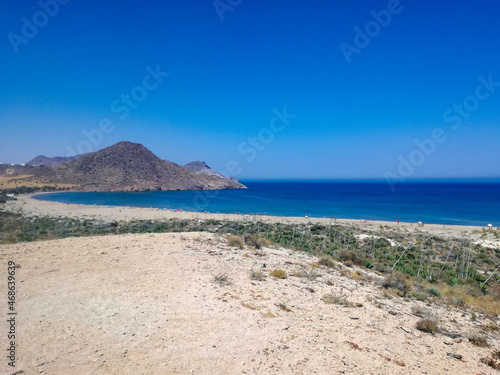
pixel 466 203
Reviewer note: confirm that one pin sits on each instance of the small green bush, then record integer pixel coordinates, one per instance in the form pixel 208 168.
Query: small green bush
pixel 434 291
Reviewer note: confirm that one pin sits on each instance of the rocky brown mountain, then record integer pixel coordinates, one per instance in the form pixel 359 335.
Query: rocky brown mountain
pixel 125 166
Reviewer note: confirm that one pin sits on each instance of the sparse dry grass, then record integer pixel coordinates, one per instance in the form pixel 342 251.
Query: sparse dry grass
pixel 427 325
pixel 420 311
pixel 279 274
pixel 255 241
pixel 257 275
pixel 493 361
pixel 310 274
pixel 222 279
pixel 339 299
pixel 389 293
pixel 235 241
pixel 326 260
pixel 490 327
pixel 398 281
pixel 344 272
pixel 357 276
pixel 459 296
pixel 12 182
pixel 479 340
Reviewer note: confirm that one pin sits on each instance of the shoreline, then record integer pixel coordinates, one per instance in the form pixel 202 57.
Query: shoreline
pixel 31 206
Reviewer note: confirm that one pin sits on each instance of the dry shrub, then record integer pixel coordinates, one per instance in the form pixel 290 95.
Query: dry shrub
pixel 399 282
pixel 493 361
pixel 379 267
pixel 490 327
pixel 222 279
pixel 350 257
pixel 252 241
pixel 479 340
pixel 335 298
pixel 307 274
pixel 339 299
pixel 265 242
pixel 279 274
pixel 357 276
pixel 235 241
pixel 257 275
pixel 348 263
pixel 420 311
pixel 427 325
pixel 459 296
pixel 390 292
pixel 344 273
pixel 434 291
pixel 326 260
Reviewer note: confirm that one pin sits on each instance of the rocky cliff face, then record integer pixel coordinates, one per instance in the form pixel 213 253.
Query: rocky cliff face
pixel 202 167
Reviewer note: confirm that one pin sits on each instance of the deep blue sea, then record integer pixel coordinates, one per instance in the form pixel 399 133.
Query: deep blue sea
pixel 465 203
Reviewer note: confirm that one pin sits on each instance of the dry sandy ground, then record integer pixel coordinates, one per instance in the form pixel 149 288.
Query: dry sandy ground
pixel 148 304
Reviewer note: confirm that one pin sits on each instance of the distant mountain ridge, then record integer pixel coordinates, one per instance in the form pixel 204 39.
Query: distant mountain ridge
pixel 125 166
pixel 202 167
pixel 50 161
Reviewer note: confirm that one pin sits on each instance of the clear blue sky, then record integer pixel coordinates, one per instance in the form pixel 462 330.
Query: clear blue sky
pixel 227 78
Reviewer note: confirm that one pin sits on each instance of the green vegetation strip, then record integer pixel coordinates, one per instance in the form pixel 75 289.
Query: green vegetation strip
pixel 420 255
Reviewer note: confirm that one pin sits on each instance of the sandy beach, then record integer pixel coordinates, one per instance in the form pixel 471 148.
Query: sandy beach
pixel 30 206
